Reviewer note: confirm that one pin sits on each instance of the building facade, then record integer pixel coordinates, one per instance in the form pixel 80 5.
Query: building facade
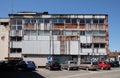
pixel 4 37
pixel 42 37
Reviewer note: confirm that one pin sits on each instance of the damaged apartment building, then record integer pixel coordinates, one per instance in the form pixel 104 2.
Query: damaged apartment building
pixel 61 37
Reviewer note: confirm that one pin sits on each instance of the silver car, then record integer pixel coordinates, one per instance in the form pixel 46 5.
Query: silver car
pixel 70 65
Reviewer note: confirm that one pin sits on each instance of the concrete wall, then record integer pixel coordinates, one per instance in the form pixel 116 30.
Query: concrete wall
pixel 3 42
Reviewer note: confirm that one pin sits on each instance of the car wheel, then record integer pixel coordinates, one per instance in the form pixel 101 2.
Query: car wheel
pixel 68 68
pixel 87 68
pixel 49 68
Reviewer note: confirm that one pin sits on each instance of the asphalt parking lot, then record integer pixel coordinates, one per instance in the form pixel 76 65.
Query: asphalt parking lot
pixel 45 73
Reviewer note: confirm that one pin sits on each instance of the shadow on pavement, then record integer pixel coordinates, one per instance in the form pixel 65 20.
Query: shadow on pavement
pixel 20 74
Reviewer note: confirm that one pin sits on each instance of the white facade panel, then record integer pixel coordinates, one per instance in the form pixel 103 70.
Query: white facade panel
pixel 56 47
pixel 32 38
pixel 39 61
pixel 26 37
pixel 42 26
pixel 86 50
pixel 68 47
pixel 89 39
pixel 44 38
pixel 55 37
pixel 16 44
pixel 48 26
pixel 74 47
pixel 15 55
pixel 102 51
pixel 83 39
pixel 35 47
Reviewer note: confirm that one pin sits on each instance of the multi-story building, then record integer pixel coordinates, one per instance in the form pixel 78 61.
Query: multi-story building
pixel 4 39
pixel 59 37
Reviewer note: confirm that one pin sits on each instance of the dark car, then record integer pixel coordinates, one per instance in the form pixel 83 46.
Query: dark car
pixel 104 65
pixel 8 65
pixel 114 63
pixel 51 65
pixel 26 65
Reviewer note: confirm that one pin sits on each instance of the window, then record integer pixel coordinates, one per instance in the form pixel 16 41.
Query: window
pixel 82 32
pixel 16 38
pixel 15 50
pixel 57 32
pixel 82 21
pixel 33 32
pixel 33 21
pixel 95 21
pixel 46 20
pixel 26 32
pixel 67 21
pixel 27 20
pixel 41 21
pixel 13 27
pixel 54 20
pixel 13 21
pixel 102 45
pixel 101 21
pixel 96 45
pixel 88 21
pixel 87 45
pixel 19 27
pixel 19 21
pixel 74 21
pixel 57 20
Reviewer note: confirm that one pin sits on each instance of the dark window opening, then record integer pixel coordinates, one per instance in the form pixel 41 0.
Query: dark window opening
pixel 95 21
pixel 102 45
pixel 82 32
pixel 82 21
pixel 96 45
pixel 101 21
pixel 87 45
pixel 4 23
pixel 74 21
pixel 88 21
pixel 67 21
pixel 16 38
pixel 15 50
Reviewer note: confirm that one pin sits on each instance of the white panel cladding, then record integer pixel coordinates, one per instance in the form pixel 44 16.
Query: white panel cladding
pixel 56 47
pixel 48 26
pixel 74 47
pixel 26 37
pixel 89 39
pixel 36 47
pixel 86 51
pixel 39 61
pixel 55 37
pixel 42 26
pixel 13 33
pixel 15 54
pixel 68 47
pixel 43 37
pixel 83 39
pixel 32 37
pixel 16 33
pixel 16 44
pixel 102 51
pixel 86 39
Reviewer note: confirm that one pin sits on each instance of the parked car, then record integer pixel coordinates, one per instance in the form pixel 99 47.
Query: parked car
pixel 52 65
pixel 104 65
pixel 114 63
pixel 8 65
pixel 26 65
pixel 89 65
pixel 70 65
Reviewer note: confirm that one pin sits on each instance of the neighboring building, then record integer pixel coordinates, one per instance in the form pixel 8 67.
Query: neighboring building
pixel 4 39
pixel 59 37
pixel 113 56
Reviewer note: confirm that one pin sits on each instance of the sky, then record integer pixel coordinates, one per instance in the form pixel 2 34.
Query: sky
pixel 110 7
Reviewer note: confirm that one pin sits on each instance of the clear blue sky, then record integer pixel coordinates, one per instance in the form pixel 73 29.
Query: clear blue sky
pixel 110 7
